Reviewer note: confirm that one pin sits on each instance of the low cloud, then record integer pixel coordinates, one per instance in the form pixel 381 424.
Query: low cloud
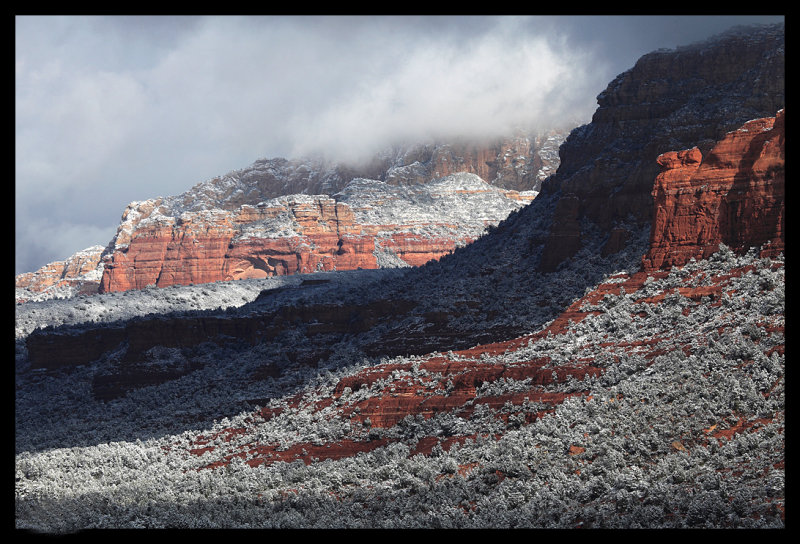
pixel 46 237
pixel 462 86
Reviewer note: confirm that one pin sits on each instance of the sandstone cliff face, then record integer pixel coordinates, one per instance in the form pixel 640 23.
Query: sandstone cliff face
pixel 79 274
pixel 173 233
pixel 669 100
pixel 735 195
pixel 368 225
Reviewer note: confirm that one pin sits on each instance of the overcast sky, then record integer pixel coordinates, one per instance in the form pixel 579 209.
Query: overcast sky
pixel 115 109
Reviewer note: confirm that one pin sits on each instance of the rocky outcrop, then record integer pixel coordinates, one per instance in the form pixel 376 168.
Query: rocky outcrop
pixel 671 99
pixel 370 224
pixel 172 234
pixel 520 162
pixel 79 274
pixel 735 195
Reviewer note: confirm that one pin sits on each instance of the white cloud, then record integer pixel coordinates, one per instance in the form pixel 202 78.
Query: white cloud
pixel 478 88
pixel 71 127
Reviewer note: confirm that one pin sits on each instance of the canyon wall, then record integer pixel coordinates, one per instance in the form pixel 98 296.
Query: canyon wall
pixel 667 383
pixel 369 225
pixel 192 239
pixel 734 195
pixel 670 100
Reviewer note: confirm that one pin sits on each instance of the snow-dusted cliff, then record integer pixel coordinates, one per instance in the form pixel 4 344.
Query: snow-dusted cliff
pixel 450 191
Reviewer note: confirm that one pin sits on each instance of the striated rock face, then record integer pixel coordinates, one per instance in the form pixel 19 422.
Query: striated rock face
pixel 79 274
pixel 518 162
pixel 185 241
pixel 676 99
pixel 370 224
pixel 735 195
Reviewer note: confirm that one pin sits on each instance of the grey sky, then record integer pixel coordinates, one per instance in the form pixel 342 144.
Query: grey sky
pixel 115 109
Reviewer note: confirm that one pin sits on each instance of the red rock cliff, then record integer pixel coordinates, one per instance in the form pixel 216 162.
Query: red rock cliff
pixel 735 195
pixel 79 273
pixel 516 163
pixel 378 226
pixel 679 99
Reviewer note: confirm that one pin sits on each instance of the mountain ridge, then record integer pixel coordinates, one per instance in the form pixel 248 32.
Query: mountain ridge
pixel 521 161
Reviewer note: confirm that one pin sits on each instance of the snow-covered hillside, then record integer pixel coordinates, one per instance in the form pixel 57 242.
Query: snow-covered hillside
pixel 122 306
pixel 681 424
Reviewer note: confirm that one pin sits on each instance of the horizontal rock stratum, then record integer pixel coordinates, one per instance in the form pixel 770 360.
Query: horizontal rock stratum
pixel 370 224
pixel 514 165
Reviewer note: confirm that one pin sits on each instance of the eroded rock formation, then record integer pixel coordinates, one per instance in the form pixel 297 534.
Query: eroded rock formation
pixel 369 225
pixel 79 274
pixel 734 195
pixel 670 100
pixel 191 238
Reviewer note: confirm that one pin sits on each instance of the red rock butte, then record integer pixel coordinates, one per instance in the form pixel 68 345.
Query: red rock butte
pixel 735 195
pixel 302 234
pixel 514 164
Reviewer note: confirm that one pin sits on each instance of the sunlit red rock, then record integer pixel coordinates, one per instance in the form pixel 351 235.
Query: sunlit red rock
pixel 79 271
pixel 670 100
pixel 735 195
pixel 302 234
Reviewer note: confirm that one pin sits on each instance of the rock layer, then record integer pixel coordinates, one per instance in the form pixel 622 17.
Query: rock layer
pixel 669 100
pixel 369 225
pixel 79 274
pixel 518 163
pixel 735 195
